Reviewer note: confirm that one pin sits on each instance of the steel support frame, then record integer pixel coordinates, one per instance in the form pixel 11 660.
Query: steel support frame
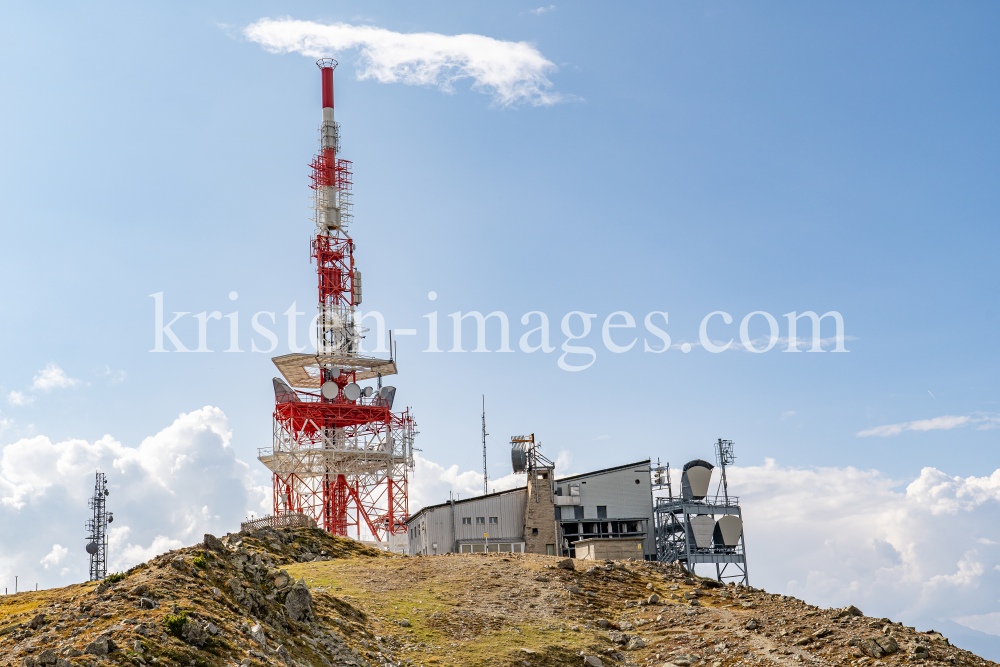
pixel 674 538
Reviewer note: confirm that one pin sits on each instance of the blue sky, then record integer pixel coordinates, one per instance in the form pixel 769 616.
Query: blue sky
pixel 701 157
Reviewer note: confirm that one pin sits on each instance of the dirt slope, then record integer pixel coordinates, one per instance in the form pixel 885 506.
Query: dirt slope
pixel 301 597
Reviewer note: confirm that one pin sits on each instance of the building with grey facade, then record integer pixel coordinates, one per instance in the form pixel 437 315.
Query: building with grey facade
pixel 546 516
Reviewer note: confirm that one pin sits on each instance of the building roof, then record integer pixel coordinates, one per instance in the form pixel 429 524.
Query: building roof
pixel 465 500
pixel 524 488
pixel 606 470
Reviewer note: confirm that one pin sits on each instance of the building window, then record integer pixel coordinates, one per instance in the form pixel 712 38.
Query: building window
pixel 602 511
pixel 550 550
pixel 558 514
pixel 578 511
pixel 534 531
pixel 480 521
pixel 494 521
pixel 466 520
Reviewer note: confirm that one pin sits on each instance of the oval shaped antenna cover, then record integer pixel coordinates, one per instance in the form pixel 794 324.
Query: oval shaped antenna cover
pixel 352 392
pixel 702 526
pixel 699 478
pixel 329 390
pixel 730 526
pixel 92 548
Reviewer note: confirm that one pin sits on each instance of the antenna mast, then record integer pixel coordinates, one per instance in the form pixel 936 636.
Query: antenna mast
pixel 97 545
pixel 724 455
pixel 485 483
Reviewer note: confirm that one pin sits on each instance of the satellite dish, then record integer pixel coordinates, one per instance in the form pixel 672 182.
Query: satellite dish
pixel 386 395
pixel 92 548
pixel 369 391
pixel 352 391
pixel 518 460
pixel 111 517
pixel 330 390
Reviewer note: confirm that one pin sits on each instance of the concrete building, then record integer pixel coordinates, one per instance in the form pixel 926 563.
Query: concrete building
pixel 546 516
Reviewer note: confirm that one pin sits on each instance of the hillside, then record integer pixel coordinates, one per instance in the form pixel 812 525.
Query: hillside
pixel 302 597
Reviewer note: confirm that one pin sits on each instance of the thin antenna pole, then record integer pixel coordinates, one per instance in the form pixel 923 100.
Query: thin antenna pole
pixel 486 489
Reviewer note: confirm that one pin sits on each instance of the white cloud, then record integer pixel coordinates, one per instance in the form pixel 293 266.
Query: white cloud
pixel 52 377
pixel 18 398
pixel 431 481
pixel 543 10
pixel 512 72
pixel 988 623
pixel 838 536
pixel 166 492
pixel 55 556
pixel 788 413
pixel 945 423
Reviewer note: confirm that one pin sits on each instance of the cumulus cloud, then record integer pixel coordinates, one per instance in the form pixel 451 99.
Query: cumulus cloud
pixel 55 556
pixel 52 377
pixel 18 398
pixel 166 492
pixel 913 552
pixel 945 423
pixel 512 72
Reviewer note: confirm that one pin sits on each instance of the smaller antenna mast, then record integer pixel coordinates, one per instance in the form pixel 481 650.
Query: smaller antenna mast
pixel 485 487
pixel 724 456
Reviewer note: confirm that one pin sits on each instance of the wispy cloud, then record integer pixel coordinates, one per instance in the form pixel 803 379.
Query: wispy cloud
pixel 114 377
pixel 945 423
pixel 785 415
pixel 542 10
pixel 52 377
pixel 512 72
pixel 18 398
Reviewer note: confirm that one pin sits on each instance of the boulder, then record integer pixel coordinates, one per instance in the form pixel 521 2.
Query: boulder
pixel 281 579
pixel 653 599
pixel 37 622
pixel 685 659
pixel 603 623
pixel 47 657
pixel 619 638
pixel 146 603
pixel 566 564
pixel 752 624
pixel 298 602
pixel 848 611
pixel 194 634
pixel 878 646
pixel 213 543
pixel 592 661
pixel 635 644
pixel 100 646
pixel 284 655
pixel 257 634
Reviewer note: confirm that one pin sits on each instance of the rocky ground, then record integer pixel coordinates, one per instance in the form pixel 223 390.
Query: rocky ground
pixel 298 597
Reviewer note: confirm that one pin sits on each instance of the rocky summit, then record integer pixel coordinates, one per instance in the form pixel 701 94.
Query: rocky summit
pixel 299 597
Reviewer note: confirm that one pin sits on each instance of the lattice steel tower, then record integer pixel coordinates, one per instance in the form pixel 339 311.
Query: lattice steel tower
pixel 97 541
pixel 340 455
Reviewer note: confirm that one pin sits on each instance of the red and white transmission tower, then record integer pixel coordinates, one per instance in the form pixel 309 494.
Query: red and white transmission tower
pixel 340 454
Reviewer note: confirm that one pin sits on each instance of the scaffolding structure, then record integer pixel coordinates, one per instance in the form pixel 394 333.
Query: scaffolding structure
pixel 340 455
pixel 687 528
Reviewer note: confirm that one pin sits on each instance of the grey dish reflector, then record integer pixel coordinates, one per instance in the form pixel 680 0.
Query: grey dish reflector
pixel 352 392
pixel 703 527
pixel 727 530
pixel 695 479
pixel 283 393
pixel 518 460
pixel 92 548
pixel 329 390
pixel 386 395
